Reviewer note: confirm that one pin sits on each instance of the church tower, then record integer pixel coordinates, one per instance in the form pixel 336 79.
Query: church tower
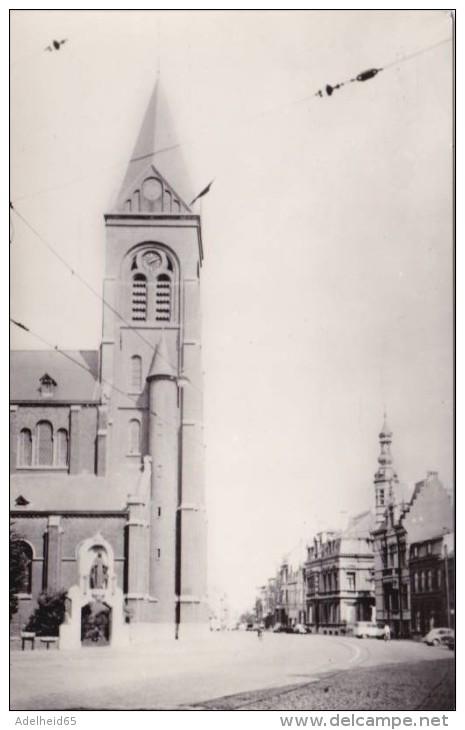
pixel 150 430
pixel 386 480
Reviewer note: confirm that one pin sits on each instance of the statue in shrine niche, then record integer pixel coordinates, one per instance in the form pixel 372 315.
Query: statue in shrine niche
pixel 99 573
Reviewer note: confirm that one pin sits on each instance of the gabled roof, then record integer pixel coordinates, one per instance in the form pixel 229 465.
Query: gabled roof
pixel 156 153
pixel 74 384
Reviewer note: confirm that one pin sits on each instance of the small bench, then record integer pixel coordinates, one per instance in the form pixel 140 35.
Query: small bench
pixel 47 640
pixel 27 636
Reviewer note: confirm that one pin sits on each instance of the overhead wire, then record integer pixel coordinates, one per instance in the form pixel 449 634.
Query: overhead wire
pixel 114 387
pixel 329 90
pixel 80 278
pixel 244 122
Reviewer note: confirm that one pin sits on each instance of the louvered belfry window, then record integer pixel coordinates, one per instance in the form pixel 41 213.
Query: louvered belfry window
pixel 139 297
pixel 153 282
pixel 163 298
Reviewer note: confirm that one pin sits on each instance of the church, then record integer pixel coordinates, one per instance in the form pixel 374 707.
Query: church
pixel 107 482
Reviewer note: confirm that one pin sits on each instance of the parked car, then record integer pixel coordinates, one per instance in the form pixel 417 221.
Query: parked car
pixel 299 629
pixel 449 641
pixel 365 630
pixel 437 636
pixel 278 628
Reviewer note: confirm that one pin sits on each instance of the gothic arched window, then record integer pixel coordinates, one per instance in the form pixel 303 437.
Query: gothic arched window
pixel 134 436
pixel 136 374
pixel 62 447
pixel 25 583
pixel 44 443
pixel 139 297
pixel 25 448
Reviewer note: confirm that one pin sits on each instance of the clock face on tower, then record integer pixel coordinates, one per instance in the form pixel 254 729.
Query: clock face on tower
pixel 151 260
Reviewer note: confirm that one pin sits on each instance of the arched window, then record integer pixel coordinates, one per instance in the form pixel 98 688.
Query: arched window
pixel 168 200
pixel 44 443
pixel 415 582
pixel 152 274
pixel 25 583
pixel 136 374
pixel 25 448
pixel 139 297
pixel 430 580
pixel 134 436
pixel 422 580
pixel 136 201
pixel 163 298
pixel 62 447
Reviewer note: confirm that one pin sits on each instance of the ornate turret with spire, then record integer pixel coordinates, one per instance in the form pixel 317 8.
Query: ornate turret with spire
pixel 386 477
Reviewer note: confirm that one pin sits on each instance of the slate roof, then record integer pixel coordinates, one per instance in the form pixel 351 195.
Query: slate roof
pixel 74 384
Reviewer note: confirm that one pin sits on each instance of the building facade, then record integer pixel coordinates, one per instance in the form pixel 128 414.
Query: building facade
pixel 339 574
pixel 107 447
pixel 290 604
pixel 400 526
pixel 432 584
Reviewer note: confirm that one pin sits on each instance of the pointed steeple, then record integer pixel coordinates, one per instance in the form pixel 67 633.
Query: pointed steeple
pixel 161 366
pixel 385 430
pixel 156 179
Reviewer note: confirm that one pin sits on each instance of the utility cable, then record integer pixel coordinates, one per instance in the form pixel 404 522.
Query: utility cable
pixel 88 286
pixel 114 387
pixel 328 90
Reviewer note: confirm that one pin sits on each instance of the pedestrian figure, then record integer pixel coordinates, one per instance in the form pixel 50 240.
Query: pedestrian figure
pixel 260 632
pixel 387 633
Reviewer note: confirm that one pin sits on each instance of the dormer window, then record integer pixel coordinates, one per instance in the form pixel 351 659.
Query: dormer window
pixel 47 386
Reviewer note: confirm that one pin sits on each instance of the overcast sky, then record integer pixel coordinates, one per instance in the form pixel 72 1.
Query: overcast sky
pixel 327 280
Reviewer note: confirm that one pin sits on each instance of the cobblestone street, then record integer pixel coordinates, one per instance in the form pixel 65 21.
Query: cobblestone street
pixel 416 686
pixel 236 671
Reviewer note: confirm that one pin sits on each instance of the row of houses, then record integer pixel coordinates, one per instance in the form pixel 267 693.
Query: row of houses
pixel 393 565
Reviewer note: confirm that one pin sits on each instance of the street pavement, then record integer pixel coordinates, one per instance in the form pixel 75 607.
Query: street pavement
pixel 190 674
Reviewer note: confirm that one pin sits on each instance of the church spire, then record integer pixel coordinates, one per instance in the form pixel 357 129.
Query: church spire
pixel 156 179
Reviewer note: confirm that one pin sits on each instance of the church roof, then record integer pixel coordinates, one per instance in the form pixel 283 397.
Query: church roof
pixel 61 493
pixel 75 383
pixel 157 153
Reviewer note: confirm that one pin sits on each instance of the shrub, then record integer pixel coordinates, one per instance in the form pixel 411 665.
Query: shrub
pixel 49 614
